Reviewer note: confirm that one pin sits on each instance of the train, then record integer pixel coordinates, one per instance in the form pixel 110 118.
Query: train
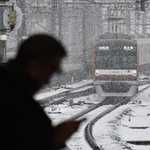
pixel 116 65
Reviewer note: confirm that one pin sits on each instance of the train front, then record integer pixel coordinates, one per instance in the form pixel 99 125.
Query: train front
pixel 116 67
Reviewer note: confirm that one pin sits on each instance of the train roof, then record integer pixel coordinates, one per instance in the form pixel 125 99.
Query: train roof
pixel 143 41
pixel 115 36
pixel 116 42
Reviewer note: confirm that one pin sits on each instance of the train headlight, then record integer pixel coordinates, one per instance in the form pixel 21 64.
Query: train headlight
pixel 134 72
pixel 97 72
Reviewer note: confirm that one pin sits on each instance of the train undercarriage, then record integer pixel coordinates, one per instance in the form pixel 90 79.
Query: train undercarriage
pixel 113 88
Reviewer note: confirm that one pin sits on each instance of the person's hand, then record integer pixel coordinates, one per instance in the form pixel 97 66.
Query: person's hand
pixel 63 131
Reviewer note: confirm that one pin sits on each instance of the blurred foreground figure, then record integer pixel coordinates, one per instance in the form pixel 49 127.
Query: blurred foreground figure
pixel 0 59
pixel 23 123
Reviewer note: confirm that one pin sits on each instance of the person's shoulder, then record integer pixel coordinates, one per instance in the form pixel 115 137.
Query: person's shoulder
pixel 7 81
pixel 3 74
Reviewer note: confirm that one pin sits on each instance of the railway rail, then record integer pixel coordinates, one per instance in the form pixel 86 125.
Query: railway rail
pixel 88 130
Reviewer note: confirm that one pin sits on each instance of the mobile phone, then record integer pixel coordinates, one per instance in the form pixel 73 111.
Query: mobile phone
pixel 82 120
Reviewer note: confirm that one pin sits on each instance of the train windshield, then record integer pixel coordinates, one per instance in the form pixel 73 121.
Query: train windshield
pixel 102 60
pixel 116 58
pixel 129 62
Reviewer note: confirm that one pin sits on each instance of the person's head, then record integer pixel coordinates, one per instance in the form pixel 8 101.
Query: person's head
pixel 40 57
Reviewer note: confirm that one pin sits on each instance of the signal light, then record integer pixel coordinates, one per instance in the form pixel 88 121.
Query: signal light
pixel 12 17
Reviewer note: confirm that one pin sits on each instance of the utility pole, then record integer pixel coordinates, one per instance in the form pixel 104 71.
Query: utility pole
pixel 2 32
pixel 59 11
pixel 53 16
pixel 22 31
pixel 142 2
pixel 84 43
pixel 144 22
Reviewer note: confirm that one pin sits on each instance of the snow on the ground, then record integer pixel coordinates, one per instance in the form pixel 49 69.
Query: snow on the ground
pixel 142 87
pixel 82 83
pixel 49 93
pixel 77 141
pixel 105 131
pixel 110 130
pixel 52 92
pixel 64 111
pixel 142 77
pixel 82 89
pixel 114 129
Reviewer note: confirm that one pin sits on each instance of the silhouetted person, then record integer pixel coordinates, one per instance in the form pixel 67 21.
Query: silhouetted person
pixel 0 58
pixel 23 123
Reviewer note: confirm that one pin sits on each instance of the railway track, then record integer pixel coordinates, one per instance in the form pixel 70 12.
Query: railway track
pixel 88 130
pixel 62 95
pixel 77 93
pixel 116 102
